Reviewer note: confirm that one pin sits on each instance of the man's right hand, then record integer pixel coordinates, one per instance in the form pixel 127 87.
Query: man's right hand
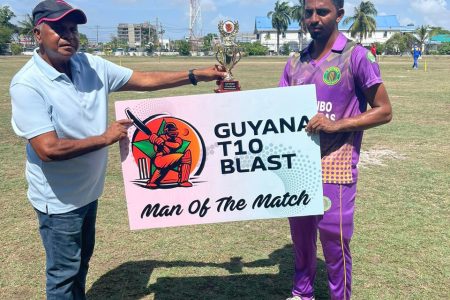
pixel 117 131
pixel 215 72
pixel 49 147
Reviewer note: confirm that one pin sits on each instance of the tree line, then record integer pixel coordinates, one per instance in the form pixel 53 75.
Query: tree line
pixel 362 25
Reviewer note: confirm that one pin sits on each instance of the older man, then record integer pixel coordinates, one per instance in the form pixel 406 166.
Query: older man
pixel 59 104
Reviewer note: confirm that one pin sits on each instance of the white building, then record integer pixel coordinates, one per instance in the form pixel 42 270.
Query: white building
pixel 267 36
pixel 386 27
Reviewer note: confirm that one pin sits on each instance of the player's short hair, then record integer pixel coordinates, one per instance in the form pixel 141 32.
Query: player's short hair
pixel 337 3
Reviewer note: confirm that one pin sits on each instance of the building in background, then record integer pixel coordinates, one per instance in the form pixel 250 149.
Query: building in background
pixel 267 36
pixel 437 41
pixel 386 27
pixel 136 35
pixel 246 37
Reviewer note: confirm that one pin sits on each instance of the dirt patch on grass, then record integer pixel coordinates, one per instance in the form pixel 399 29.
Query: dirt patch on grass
pixel 378 157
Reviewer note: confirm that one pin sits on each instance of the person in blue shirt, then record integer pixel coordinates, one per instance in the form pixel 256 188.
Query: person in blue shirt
pixel 60 105
pixel 416 53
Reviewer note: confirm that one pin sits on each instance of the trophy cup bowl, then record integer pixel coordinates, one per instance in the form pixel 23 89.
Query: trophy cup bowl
pixel 228 55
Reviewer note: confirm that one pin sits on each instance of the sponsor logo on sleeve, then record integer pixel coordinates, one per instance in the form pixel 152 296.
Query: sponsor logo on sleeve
pixel 370 57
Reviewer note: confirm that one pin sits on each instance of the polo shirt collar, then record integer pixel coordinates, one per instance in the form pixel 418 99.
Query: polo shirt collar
pixel 339 43
pixel 338 46
pixel 75 64
pixel 48 70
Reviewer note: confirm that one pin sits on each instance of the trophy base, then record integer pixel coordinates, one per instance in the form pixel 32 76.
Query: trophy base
pixel 226 86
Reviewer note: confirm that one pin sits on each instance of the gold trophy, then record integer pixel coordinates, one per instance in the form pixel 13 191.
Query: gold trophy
pixel 228 55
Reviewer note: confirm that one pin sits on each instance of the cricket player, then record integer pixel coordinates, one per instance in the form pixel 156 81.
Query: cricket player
pixel 347 78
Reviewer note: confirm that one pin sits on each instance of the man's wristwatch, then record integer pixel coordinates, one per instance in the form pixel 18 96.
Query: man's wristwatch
pixel 192 77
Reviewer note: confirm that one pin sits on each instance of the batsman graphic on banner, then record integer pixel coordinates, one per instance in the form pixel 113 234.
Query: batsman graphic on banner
pixel 221 157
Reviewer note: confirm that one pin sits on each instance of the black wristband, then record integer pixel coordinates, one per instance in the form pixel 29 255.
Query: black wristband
pixel 192 77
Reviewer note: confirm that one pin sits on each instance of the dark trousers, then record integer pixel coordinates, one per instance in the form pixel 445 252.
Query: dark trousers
pixel 68 240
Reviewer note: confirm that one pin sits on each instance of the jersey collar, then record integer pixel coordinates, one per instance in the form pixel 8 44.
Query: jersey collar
pixel 339 43
pixel 338 46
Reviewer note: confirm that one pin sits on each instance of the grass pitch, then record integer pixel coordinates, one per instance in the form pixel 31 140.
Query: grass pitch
pixel 401 242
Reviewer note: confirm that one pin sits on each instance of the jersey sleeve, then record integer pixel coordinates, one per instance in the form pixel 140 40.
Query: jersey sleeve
pixel 30 113
pixel 366 70
pixel 284 80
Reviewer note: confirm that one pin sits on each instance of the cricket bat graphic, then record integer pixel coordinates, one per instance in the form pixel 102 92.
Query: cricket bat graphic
pixel 137 122
pixel 141 126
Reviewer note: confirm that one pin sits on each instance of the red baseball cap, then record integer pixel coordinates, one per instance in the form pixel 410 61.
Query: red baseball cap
pixel 55 10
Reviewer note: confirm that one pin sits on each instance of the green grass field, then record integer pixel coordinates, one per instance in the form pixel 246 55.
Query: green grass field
pixel 402 233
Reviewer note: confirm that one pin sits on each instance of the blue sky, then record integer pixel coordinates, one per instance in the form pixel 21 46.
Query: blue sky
pixel 174 14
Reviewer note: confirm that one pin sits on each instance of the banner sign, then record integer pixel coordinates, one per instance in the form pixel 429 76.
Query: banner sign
pixel 221 157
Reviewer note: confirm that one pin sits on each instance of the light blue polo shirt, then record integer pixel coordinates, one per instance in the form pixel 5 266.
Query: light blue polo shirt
pixel 45 100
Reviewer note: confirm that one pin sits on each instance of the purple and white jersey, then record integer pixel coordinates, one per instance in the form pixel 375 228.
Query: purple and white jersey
pixel 340 78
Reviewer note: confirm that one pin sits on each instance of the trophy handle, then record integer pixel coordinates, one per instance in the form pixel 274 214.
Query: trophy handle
pixel 235 58
pixel 219 52
pixel 239 56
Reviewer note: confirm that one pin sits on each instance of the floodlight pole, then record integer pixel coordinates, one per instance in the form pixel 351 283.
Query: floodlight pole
pixel 195 22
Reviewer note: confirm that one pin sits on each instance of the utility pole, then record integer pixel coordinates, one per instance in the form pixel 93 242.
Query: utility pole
pixel 161 32
pixel 157 32
pixel 149 33
pixel 157 37
pixel 97 35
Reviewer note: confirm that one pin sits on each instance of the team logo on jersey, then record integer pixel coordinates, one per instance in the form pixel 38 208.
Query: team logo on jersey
pixel 371 57
pixel 332 75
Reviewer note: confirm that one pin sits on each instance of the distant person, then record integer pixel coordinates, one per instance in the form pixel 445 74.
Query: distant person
pixel 416 53
pixel 59 104
pixel 373 50
pixel 347 78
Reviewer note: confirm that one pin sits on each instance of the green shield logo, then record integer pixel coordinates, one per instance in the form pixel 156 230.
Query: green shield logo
pixel 332 75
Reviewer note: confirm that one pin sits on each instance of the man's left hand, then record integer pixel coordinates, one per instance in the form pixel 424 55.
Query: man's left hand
pixel 321 123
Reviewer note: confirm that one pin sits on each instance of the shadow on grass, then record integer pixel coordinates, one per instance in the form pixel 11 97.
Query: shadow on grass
pixel 130 280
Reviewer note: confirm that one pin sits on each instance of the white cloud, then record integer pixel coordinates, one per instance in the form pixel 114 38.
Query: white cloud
pixel 208 5
pixel 349 9
pixel 406 21
pixel 388 2
pixel 218 18
pixel 126 1
pixel 434 12
pixel 246 2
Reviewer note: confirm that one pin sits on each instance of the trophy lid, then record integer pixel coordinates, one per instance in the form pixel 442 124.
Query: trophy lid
pixel 228 31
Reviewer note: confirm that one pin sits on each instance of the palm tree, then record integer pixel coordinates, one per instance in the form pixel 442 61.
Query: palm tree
pixel 363 21
pixel 26 27
pixel 422 35
pixel 298 13
pixel 281 18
